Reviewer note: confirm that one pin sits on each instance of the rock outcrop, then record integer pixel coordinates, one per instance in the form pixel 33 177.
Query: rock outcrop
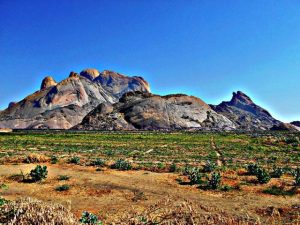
pixel 11 104
pixel 90 74
pixel 285 127
pixel 145 111
pixel 63 105
pixel 48 82
pixel 296 123
pixel 245 113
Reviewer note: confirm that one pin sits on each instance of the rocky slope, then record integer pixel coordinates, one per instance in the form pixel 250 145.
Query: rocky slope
pixel 245 114
pixel 285 127
pixel 63 105
pixel 137 110
pixel 296 123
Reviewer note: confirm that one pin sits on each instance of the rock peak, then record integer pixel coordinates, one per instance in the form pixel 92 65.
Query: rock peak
pixel 90 73
pixel 73 74
pixel 48 82
pixel 239 96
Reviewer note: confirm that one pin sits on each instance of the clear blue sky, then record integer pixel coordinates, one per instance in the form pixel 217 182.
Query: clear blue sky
pixel 205 48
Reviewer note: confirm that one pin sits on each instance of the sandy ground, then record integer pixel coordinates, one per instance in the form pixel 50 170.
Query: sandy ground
pixel 110 192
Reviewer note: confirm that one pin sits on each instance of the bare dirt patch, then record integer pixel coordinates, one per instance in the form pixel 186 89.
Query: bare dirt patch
pixel 112 193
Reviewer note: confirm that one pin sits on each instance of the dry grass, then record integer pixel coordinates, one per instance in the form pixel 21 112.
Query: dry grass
pixel 167 212
pixel 36 158
pixel 30 211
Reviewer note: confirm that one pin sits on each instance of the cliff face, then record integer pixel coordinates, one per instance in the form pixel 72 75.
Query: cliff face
pixel 145 111
pixel 63 105
pixel 245 113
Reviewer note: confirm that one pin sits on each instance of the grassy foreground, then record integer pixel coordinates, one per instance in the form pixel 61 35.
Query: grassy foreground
pixel 168 178
pixel 150 147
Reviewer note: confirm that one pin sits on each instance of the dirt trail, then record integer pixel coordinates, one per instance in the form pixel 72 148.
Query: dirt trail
pixel 113 192
pixel 220 161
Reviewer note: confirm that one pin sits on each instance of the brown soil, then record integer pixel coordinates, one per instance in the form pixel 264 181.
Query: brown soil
pixel 111 193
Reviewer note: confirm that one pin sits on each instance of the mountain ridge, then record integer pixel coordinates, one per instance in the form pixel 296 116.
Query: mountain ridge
pixel 62 105
pixel 109 100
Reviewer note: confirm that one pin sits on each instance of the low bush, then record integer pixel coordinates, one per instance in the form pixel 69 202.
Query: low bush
pixel 74 160
pixel 3 201
pixel 296 174
pixel 38 173
pixel 252 168
pixel 98 162
pixel 226 188
pixel 64 187
pixel 54 159
pixel 194 175
pixel 263 176
pixel 214 181
pixel 122 164
pixel 274 190
pixel 173 168
pixel 209 167
pixel 292 140
pixel 277 172
pixel 89 218
pixel 63 177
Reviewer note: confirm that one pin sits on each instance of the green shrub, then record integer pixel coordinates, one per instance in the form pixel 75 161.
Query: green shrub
pixel 38 173
pixel 3 201
pixel 226 188
pixel 194 175
pixel 63 187
pixel 263 176
pixel 54 159
pixel 296 174
pixel 89 218
pixel 277 172
pixel 209 167
pixel 74 160
pixel 252 168
pixel 173 168
pixel 274 190
pixel 3 187
pixel 63 177
pixel 215 181
pixel 122 164
pixel 98 162
pixel 292 140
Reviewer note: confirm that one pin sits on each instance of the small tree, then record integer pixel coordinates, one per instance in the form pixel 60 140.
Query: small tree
pixel 122 164
pixel 215 181
pixel 38 173
pixel 252 168
pixel 263 176
pixel 209 167
pixel 277 172
pixel 89 218
pixel 296 174
pixel 194 175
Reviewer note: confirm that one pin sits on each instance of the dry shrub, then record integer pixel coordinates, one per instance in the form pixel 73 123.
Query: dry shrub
pixel 36 158
pixel 30 211
pixel 167 212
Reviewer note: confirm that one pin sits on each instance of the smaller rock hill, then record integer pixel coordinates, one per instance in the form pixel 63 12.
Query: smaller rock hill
pixel 145 111
pixel 245 113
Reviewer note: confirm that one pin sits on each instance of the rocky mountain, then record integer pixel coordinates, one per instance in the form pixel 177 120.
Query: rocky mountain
pixel 245 114
pixel 137 110
pixel 285 127
pixel 63 105
pixel 296 123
